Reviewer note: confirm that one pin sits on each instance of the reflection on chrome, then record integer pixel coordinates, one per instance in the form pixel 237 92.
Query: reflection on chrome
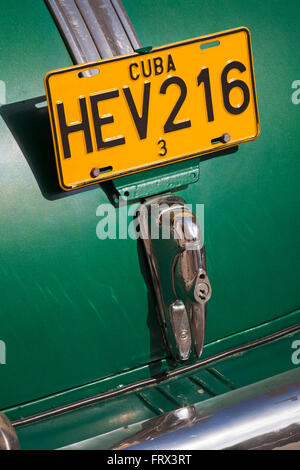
pixel 265 415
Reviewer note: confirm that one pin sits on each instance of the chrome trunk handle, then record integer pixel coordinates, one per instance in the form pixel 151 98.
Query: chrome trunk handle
pixel 176 255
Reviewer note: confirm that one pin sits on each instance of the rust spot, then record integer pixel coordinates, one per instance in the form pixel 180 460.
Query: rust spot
pixel 125 445
pixel 278 391
pixel 294 398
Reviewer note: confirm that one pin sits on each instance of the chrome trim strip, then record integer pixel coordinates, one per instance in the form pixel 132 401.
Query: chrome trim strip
pixel 94 29
pixel 127 25
pixel 153 380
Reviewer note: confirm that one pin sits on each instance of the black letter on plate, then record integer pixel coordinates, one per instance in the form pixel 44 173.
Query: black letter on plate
pixel 158 65
pixel 203 77
pixel 170 126
pixel 130 71
pixel 65 130
pixel 149 69
pixel 171 65
pixel 141 122
pixel 100 121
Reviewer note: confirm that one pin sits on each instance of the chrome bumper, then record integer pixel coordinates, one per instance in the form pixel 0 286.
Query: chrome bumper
pixel 265 415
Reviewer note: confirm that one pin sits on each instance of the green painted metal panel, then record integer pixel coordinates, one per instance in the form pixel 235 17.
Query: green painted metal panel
pixel 75 309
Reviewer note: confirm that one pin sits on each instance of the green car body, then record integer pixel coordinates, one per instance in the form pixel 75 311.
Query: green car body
pixel 77 314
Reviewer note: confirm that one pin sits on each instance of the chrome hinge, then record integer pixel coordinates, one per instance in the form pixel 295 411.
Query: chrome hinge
pixel 176 255
pixel 93 29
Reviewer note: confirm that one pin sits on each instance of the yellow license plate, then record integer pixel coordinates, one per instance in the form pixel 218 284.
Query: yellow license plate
pixel 141 111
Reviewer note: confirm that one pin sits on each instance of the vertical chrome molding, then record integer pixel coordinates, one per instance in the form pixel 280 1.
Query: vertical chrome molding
pixel 100 29
pixel 8 436
pixel 94 29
